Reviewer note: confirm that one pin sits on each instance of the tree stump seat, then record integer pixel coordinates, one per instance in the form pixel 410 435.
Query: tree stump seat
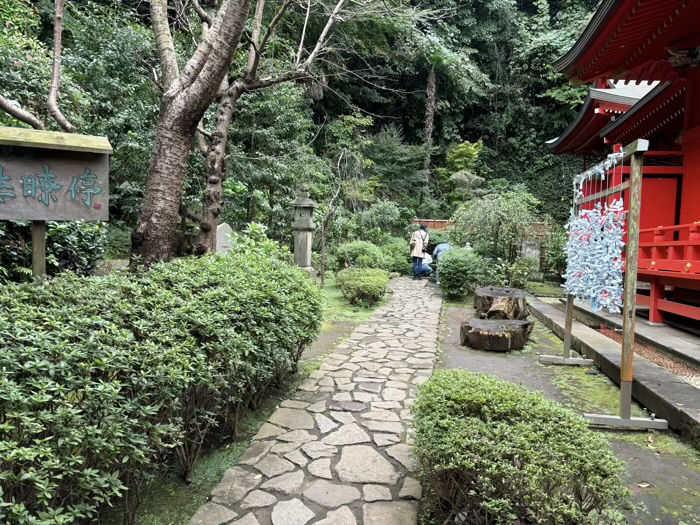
pixel 497 335
pixel 500 303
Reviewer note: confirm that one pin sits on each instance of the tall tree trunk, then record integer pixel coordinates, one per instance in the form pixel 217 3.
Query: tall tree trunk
pixel 187 95
pixel 429 121
pixel 154 235
pixel 215 166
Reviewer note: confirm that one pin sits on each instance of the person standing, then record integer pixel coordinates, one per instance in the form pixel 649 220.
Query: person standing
pixel 440 249
pixel 419 245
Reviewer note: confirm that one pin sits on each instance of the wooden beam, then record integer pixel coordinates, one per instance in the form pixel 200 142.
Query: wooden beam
pixel 32 138
pixel 610 191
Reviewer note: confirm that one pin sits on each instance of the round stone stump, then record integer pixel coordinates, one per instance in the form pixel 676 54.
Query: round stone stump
pixel 500 303
pixel 495 334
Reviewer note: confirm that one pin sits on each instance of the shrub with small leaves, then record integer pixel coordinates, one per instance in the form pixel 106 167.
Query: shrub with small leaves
pixel 492 453
pixel 460 272
pixel 105 379
pixel 397 256
pixel 74 246
pixel 359 254
pixel 362 286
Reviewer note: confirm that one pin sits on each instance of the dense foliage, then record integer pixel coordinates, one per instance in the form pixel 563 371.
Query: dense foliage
pixel 360 254
pixel 357 128
pixel 104 379
pixel 362 286
pixel 74 246
pixel 492 453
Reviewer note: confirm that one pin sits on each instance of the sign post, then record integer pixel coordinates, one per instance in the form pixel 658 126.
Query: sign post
pixel 48 176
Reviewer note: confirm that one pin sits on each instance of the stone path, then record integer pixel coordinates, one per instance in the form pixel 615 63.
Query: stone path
pixel 337 452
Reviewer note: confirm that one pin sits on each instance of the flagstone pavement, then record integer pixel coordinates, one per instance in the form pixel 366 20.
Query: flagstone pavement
pixel 337 452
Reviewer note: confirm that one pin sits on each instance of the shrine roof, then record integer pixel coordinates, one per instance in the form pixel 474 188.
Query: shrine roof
pixel 659 112
pixel 630 39
pixel 32 138
pixel 582 136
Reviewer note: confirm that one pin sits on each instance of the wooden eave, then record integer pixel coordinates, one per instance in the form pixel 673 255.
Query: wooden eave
pixel 659 112
pixel 628 39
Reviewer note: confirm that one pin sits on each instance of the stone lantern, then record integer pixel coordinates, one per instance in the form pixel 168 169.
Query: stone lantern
pixel 304 227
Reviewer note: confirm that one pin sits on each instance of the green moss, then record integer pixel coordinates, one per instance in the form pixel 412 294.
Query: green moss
pixel 666 444
pixel 546 289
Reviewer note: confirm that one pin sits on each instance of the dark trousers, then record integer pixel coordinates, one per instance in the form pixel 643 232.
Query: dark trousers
pixel 417 267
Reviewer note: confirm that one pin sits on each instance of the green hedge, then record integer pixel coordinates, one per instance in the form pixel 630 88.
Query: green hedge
pixel 359 254
pixel 494 453
pixel 460 271
pixel 364 286
pixel 102 380
pixel 397 256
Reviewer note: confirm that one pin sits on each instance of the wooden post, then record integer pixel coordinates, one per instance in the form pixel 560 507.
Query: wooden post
pixel 630 305
pixel 39 250
pixel 568 325
pixel 635 151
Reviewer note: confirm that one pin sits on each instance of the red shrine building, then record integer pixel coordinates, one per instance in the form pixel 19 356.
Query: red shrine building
pixel 642 60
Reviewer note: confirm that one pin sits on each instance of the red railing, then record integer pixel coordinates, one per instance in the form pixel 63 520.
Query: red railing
pixel 674 249
pixel 671 259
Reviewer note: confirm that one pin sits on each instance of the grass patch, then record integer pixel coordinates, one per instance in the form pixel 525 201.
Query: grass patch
pixel 544 289
pixel 337 309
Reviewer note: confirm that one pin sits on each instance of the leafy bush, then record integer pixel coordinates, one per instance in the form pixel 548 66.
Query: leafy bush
pixel 556 256
pixel 397 256
pixel 380 221
pixel 494 453
pixel 519 270
pixel 496 222
pixel 106 378
pixel 460 271
pixel 74 246
pixel 118 242
pixel 359 254
pixel 362 286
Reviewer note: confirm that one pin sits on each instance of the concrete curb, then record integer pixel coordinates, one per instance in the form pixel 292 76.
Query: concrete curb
pixel 655 388
pixel 661 341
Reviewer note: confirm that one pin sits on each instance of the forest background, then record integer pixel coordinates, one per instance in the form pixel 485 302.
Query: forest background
pixel 410 110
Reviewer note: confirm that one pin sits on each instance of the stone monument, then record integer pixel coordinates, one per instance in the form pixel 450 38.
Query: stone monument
pixel 304 227
pixel 223 238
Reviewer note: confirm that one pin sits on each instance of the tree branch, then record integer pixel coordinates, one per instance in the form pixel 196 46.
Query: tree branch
pixel 56 73
pixel 321 43
pixel 303 34
pixel 254 53
pixel 20 114
pixel 263 83
pixel 203 15
pixel 252 72
pixel 164 43
pixel 208 65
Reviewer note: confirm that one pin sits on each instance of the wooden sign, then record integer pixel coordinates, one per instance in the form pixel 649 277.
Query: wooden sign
pixel 52 176
pixel 55 187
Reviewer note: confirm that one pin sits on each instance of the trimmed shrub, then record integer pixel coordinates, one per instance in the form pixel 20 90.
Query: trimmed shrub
pixel 460 271
pixel 519 270
pixel 359 254
pixel 364 286
pixel 397 256
pixel 74 246
pixel 491 452
pixel 105 379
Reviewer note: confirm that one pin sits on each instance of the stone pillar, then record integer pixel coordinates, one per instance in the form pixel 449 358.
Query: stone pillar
pixel 304 227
